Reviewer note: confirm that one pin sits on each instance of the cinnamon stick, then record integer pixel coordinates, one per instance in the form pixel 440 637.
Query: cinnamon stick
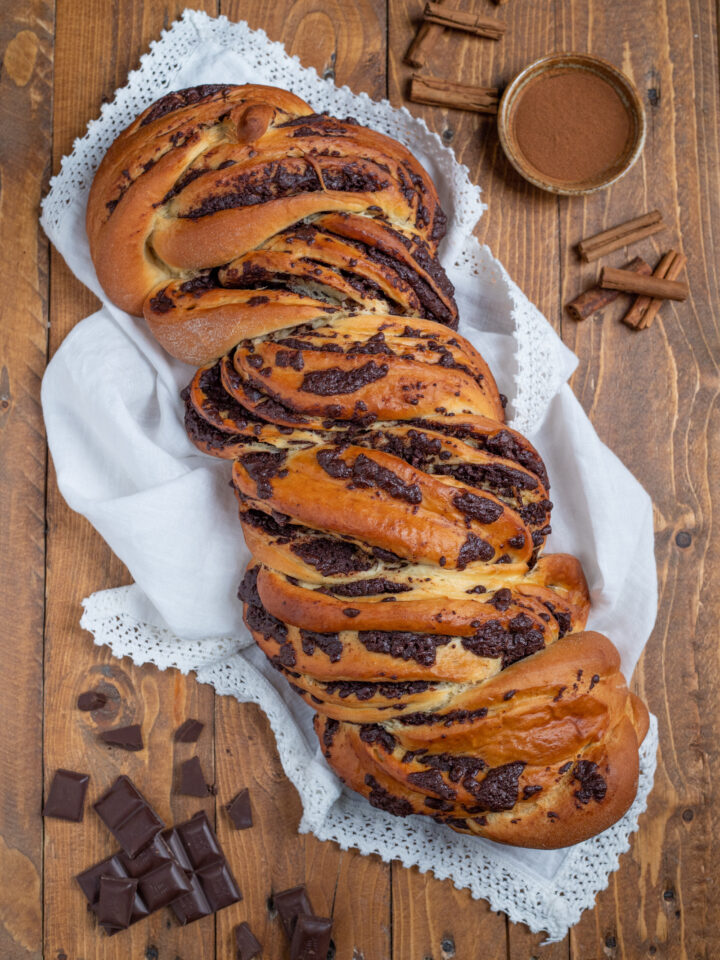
pixel 427 34
pixel 594 299
pixel 644 309
pixel 464 20
pixel 460 96
pixel 614 279
pixel 620 236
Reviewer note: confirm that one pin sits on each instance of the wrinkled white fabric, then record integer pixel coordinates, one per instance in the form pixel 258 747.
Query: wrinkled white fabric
pixel 114 426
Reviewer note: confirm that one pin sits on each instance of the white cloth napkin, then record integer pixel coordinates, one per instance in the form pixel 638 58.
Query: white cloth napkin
pixel 114 426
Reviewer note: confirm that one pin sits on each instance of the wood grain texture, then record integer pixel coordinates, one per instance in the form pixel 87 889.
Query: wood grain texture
pixel 652 396
pixel 25 119
pixel 109 43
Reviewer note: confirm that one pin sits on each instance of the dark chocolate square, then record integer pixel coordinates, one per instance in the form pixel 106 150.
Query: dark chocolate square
pixel 239 810
pixel 192 906
pixel 172 839
pixel 127 738
pixel 200 842
pixel 117 802
pixel 189 731
pixel 192 779
pixel 247 945
pixel 128 816
pixel 89 879
pixel 219 885
pixel 311 938
pixel 115 903
pixel 66 798
pixel 162 886
pixel 91 700
pixel 153 856
pixel 290 904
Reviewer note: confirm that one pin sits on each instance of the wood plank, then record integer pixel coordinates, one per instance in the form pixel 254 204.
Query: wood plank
pixel 25 118
pixel 428 913
pixel 653 398
pixel 108 42
pixel 345 41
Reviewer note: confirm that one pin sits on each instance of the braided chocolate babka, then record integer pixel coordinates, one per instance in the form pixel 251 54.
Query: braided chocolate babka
pixel 396 523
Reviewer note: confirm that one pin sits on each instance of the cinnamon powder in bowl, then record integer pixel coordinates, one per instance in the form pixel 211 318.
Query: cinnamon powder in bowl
pixel 571 123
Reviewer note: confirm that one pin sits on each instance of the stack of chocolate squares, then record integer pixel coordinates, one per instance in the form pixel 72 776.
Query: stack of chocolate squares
pixel 182 867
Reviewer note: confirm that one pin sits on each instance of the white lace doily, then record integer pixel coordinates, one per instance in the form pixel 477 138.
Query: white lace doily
pixel 547 890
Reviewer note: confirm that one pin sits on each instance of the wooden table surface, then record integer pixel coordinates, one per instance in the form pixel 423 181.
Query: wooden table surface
pixel 652 397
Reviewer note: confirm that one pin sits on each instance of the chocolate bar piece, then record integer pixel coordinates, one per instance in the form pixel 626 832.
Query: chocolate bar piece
pixel 163 885
pixel 246 943
pixel 194 905
pixel 189 731
pixel 218 885
pixel 175 845
pixel 66 798
pixel 192 779
pixel 239 810
pixel 199 840
pixel 152 857
pixel 311 938
pixel 128 816
pixel 290 904
pixel 89 881
pixel 91 700
pixel 127 738
pixel 195 846
pixel 115 903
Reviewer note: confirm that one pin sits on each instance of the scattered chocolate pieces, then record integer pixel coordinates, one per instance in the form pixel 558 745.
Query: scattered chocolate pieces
pixel 189 731
pixel 311 938
pixel 184 868
pixel 246 943
pixel 128 816
pixel 66 798
pixel 192 779
pixel 114 906
pixel 127 738
pixel 239 810
pixel 290 904
pixel 91 700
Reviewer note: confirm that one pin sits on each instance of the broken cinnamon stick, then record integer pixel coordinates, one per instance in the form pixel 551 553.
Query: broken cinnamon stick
pixel 464 20
pixel 644 309
pixel 594 299
pixel 614 279
pixel 427 34
pixel 460 96
pixel 621 236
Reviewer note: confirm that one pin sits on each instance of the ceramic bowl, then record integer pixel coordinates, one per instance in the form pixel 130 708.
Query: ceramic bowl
pixel 573 61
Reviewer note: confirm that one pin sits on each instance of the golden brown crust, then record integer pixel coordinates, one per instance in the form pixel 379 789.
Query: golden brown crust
pixel 214 185
pixel 396 523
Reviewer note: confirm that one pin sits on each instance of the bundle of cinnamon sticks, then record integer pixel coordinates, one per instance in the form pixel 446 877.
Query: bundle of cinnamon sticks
pixel 447 93
pixel 652 287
